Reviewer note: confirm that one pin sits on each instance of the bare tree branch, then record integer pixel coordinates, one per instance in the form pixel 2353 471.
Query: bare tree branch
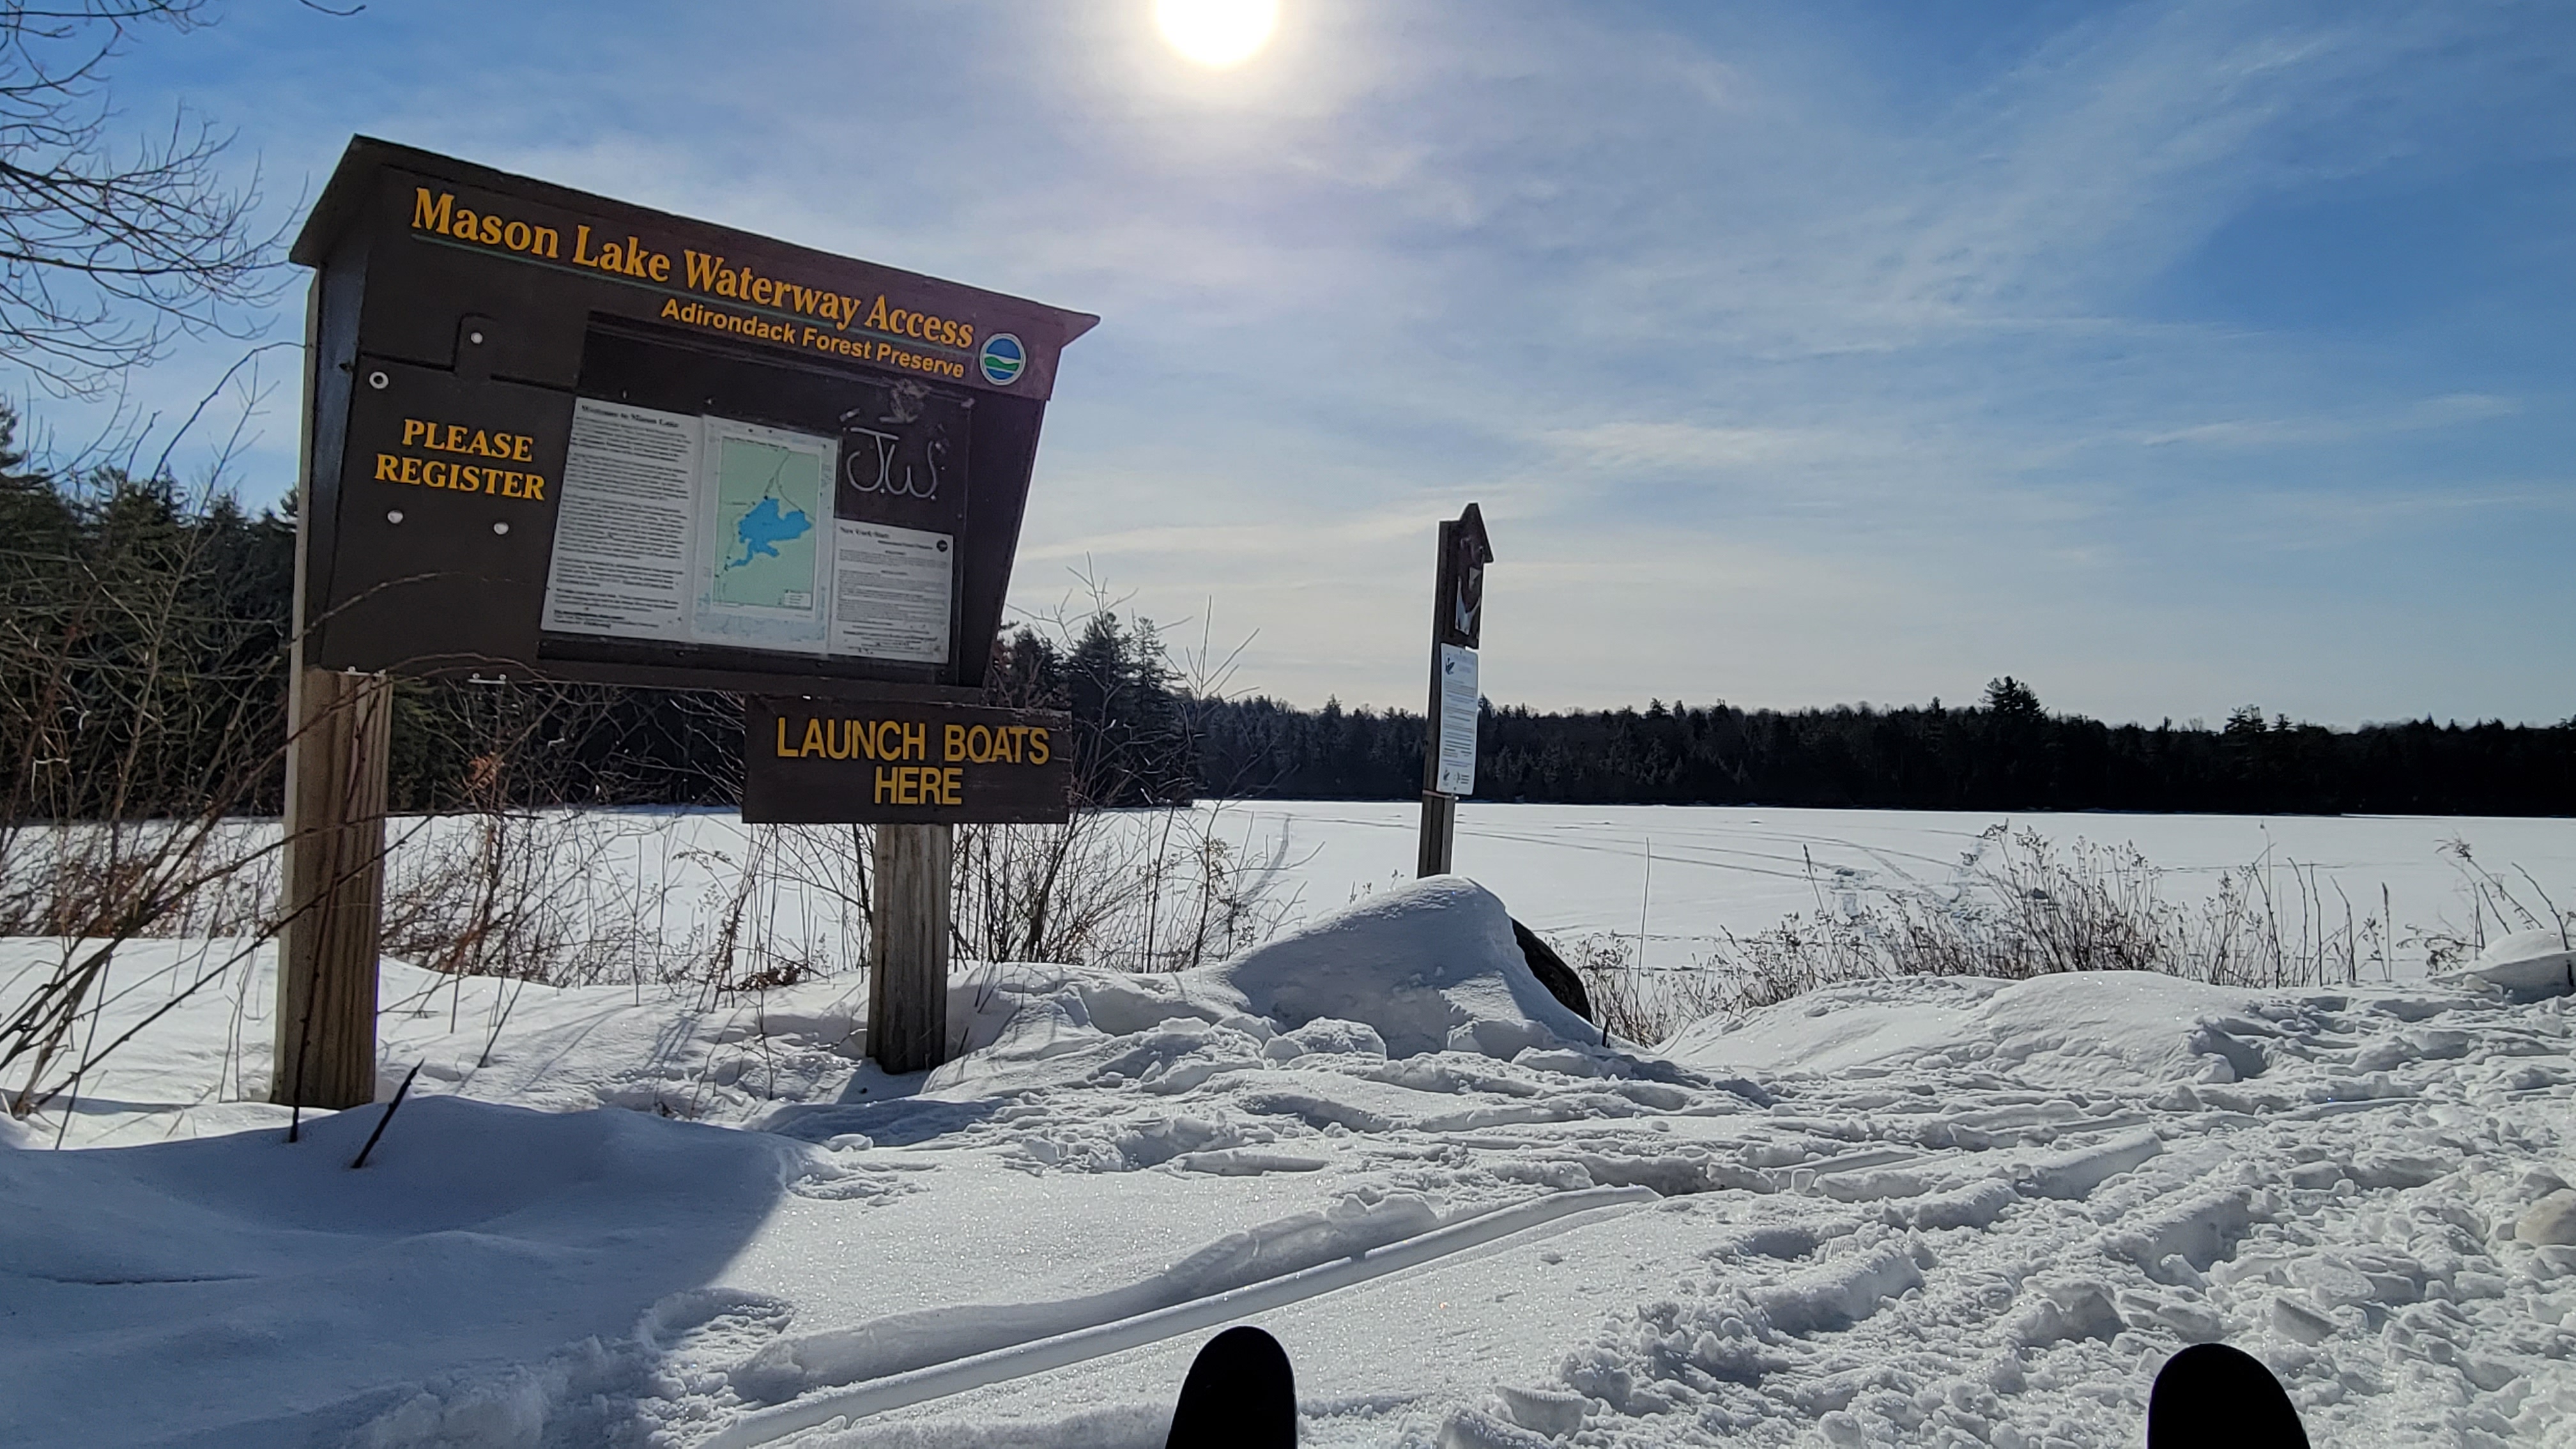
pixel 112 249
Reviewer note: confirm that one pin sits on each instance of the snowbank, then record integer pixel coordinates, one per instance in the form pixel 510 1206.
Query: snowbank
pixel 2527 966
pixel 477 1234
pixel 2081 1029
pixel 1426 966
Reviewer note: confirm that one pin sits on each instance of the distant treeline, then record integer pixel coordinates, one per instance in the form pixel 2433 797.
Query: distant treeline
pixel 142 672
pixel 2005 753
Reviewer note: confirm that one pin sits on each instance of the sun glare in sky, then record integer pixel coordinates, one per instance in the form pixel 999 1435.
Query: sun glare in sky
pixel 1217 33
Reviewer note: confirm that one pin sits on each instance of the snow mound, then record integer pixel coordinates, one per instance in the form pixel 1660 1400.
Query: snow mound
pixel 2526 966
pixel 1426 967
pixel 2080 1029
pixel 1431 965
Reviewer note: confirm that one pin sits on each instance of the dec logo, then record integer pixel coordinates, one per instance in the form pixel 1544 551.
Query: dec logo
pixel 1002 359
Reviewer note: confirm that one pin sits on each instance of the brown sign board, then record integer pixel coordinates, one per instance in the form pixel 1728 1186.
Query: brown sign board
pixel 1464 552
pixel 552 434
pixel 821 762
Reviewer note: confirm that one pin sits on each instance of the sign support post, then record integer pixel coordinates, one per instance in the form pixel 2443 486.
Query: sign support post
pixel 335 886
pixel 1449 724
pixel 908 948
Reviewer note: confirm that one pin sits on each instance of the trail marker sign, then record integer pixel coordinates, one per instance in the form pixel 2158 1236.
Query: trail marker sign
pixel 1449 724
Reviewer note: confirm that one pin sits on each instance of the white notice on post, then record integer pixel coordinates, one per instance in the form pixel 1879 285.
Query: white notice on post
pixel 1458 698
pixel 890 592
pixel 622 529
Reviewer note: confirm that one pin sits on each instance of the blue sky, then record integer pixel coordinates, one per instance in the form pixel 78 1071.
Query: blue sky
pixel 2172 357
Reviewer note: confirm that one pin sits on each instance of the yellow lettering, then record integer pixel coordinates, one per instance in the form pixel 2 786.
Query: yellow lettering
pixel 784 753
pixel 427 215
pixel 813 739
pixel 1038 753
pixel 907 785
pixel 491 230
pixel 537 487
pixel 952 786
pixel 660 268
pixel 611 258
pixel 412 430
pixel 877 314
pixel 885 785
pixel 965 334
pixel 701 268
pixel 547 243
pixel 581 248
pixel 952 745
pixel 514 485
pixel 916 742
pixel 728 284
pixel 388 468
pixel 762 289
pixel 410 470
pixel 979 745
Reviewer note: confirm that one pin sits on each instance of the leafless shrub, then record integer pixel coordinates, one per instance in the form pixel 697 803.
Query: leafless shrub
pixel 2511 903
pixel 1133 890
pixel 1640 1003
pixel 143 710
pixel 2018 908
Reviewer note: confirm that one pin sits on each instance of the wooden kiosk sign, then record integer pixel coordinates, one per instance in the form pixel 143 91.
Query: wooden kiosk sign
pixel 551 435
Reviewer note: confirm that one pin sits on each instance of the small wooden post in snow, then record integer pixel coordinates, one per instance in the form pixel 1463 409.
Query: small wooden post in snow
pixel 908 948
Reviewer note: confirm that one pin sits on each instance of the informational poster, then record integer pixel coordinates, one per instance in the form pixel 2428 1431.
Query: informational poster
pixel 890 592
pixel 621 556
pixel 708 530
pixel 1458 700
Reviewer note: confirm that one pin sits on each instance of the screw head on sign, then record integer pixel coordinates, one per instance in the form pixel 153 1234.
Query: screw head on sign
pixel 500 528
pixel 393 515
pixel 474 337
pixel 379 381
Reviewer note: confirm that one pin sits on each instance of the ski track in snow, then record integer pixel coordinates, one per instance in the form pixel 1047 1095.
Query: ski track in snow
pixel 1923 1212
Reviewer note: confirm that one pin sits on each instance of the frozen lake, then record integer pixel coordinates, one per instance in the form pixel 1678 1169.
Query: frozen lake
pixel 1575 870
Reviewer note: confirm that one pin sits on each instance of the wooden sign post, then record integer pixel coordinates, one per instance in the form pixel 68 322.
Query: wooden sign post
pixel 551 435
pixel 325 1031
pixel 1449 724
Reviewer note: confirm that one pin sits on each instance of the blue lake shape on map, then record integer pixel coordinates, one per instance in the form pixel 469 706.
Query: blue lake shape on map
pixel 766 526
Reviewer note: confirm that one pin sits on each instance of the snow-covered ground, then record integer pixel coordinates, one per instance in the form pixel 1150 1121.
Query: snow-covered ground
pixel 1907 1212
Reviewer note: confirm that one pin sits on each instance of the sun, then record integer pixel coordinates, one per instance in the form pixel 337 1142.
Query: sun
pixel 1217 33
